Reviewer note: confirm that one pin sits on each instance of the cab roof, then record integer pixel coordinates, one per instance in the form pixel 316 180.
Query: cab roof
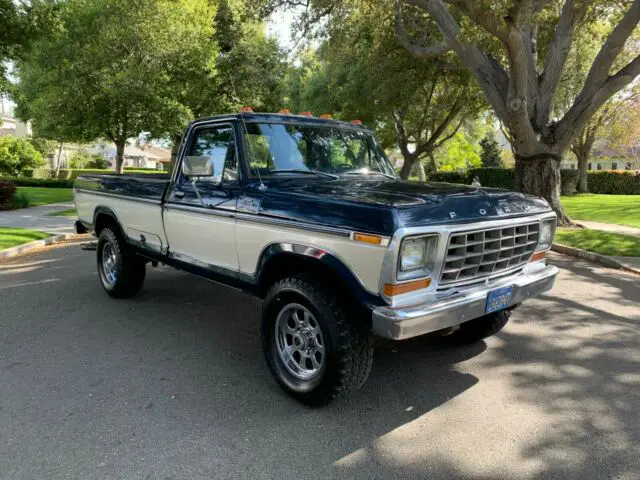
pixel 282 118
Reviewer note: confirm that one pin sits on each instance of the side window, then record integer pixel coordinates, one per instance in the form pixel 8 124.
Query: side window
pixel 216 146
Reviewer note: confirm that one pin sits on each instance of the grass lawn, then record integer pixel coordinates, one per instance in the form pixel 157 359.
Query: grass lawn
pixel 10 237
pixel 43 195
pixel 65 213
pixel 618 209
pixel 604 243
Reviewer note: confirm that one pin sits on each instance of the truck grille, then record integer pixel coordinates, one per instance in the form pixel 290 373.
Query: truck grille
pixel 477 254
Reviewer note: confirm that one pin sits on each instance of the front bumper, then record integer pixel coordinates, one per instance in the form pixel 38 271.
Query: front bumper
pixel 402 323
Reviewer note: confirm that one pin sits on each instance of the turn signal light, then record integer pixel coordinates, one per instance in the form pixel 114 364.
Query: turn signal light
pixel 327 116
pixel 538 256
pixel 306 114
pixel 246 110
pixel 284 111
pixel 356 122
pixel 363 237
pixel 391 290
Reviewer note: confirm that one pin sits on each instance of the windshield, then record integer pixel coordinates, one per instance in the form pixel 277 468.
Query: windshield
pixel 275 147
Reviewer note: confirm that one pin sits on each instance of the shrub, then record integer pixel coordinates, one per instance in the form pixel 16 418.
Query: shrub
pixel 614 182
pixel 39 182
pixel 569 181
pixel 490 154
pixel 18 154
pixel 87 160
pixel 72 174
pixel 20 200
pixel 7 194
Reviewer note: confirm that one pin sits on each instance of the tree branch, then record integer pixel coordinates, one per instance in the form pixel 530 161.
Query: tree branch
pixel 599 71
pixel 556 57
pixel 418 51
pixel 450 136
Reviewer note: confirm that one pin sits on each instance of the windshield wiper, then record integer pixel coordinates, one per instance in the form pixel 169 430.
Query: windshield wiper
pixel 371 172
pixel 308 172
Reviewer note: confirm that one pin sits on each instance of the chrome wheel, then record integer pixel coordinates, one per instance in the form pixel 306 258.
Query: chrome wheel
pixel 299 341
pixel 109 263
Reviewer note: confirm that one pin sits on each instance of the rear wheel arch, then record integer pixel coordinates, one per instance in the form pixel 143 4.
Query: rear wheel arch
pixel 105 217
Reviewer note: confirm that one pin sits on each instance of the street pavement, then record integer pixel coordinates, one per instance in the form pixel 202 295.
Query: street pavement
pixel 39 218
pixel 172 385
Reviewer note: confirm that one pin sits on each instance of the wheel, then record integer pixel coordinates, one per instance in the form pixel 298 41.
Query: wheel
pixel 315 349
pixel 120 270
pixel 480 328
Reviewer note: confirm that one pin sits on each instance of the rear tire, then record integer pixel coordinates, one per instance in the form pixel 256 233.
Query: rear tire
pixel 121 271
pixel 316 349
pixel 480 328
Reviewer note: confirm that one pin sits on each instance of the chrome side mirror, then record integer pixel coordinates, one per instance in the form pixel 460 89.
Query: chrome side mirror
pixel 198 166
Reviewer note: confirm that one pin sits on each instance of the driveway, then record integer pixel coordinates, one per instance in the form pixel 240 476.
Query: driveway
pixel 40 218
pixel 172 385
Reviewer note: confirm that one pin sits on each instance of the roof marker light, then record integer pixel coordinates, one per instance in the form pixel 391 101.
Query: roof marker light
pixel 284 111
pixel 356 122
pixel 246 110
pixel 326 116
pixel 306 114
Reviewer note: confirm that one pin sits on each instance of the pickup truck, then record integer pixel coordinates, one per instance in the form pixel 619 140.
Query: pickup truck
pixel 309 215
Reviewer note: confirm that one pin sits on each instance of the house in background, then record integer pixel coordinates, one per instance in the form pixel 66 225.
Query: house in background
pixel 607 158
pixel 134 157
pixel 10 125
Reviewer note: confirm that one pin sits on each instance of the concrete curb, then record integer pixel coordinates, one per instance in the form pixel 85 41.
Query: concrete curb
pixel 27 247
pixel 594 257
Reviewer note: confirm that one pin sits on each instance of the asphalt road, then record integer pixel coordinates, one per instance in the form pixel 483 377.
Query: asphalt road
pixel 172 385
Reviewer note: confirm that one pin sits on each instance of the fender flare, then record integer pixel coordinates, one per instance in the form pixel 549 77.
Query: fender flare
pixel 108 211
pixel 324 258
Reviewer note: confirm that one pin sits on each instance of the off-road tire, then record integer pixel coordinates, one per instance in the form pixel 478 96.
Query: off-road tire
pixel 346 337
pixel 130 268
pixel 480 328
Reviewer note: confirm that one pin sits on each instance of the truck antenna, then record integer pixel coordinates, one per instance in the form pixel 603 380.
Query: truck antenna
pixel 262 187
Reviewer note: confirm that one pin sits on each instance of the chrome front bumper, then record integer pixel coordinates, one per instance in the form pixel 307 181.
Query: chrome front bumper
pixel 402 323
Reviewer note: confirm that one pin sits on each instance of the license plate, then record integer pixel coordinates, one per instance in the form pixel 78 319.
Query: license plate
pixel 498 299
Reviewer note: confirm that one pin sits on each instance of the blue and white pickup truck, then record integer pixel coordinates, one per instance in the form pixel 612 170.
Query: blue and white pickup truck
pixel 309 215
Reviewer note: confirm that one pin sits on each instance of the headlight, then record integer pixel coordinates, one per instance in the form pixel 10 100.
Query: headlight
pixel 417 256
pixel 547 231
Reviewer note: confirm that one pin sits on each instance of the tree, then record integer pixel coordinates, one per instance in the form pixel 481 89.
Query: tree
pixel 18 155
pixel 490 151
pixel 360 71
pixel 518 62
pixel 113 68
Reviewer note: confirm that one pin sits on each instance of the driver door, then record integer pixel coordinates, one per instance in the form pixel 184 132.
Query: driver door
pixel 198 216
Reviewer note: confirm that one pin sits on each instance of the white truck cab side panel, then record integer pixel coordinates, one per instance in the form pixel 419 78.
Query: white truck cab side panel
pixel 364 260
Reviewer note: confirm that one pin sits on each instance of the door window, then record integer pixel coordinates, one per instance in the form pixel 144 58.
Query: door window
pixel 217 146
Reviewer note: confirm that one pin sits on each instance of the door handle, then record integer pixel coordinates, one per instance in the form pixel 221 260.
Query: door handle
pixel 178 194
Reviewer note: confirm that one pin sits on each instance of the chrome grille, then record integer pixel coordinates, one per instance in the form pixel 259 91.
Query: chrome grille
pixel 477 254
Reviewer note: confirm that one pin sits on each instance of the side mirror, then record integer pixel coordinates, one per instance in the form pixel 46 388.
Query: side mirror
pixel 198 166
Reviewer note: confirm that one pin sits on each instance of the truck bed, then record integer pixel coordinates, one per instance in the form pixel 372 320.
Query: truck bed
pixel 148 187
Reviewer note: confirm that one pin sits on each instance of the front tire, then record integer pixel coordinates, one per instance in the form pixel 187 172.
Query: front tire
pixel 315 348
pixel 121 271
pixel 480 328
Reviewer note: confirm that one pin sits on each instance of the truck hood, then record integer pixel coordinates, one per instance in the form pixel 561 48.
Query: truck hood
pixel 384 205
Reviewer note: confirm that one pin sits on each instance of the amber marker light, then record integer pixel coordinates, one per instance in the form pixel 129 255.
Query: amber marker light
pixel 284 111
pixel 246 110
pixel 391 290
pixel 363 237
pixel 538 256
pixel 356 122
pixel 306 114
pixel 326 116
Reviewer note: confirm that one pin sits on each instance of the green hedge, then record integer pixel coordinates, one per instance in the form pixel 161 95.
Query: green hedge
pixel 39 182
pixel 72 173
pixel 607 182
pixel 614 182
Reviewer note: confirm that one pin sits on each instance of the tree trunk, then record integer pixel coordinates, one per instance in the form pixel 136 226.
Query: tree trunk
pixel 59 159
pixel 434 164
pixel 418 168
pixel 541 177
pixel 405 171
pixel 175 147
pixel 583 186
pixel 120 156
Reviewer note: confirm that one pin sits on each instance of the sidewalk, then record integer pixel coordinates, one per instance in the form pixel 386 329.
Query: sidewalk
pixel 36 218
pixel 610 227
